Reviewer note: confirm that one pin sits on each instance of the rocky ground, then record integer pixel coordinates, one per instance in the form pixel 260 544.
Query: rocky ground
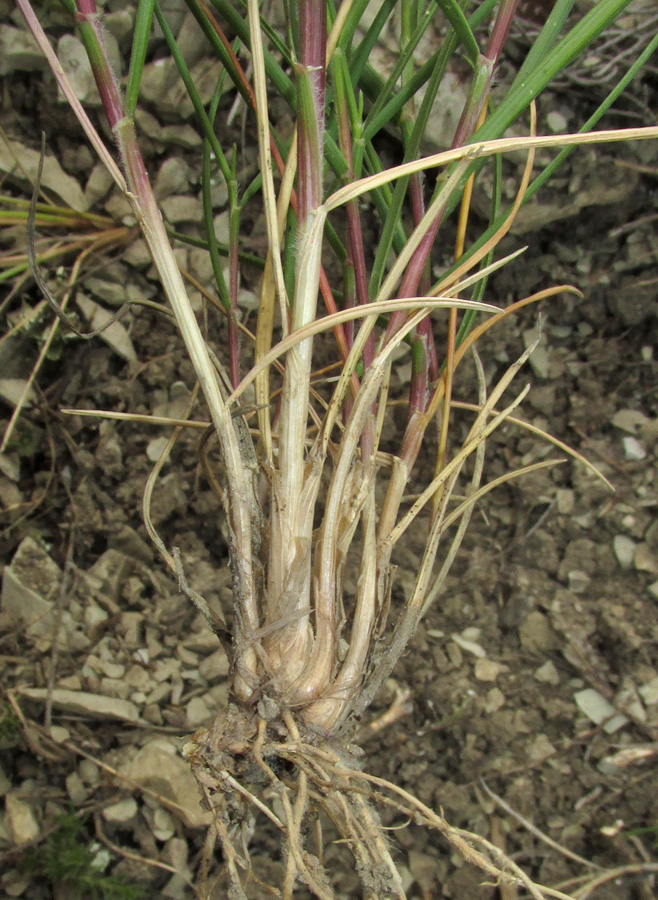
pixel 529 700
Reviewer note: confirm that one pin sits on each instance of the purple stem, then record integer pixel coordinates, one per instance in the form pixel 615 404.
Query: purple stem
pixel 463 133
pixel 108 88
pixel 424 361
pixel 313 51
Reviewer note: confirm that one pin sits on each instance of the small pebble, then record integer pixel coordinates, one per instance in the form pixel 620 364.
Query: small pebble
pixel 196 712
pixel 633 449
pixel 59 734
pixel 160 693
pixel 89 772
pixel 628 699
pixel 179 208
pixel 557 122
pixel 578 581
pixel 76 789
pixel 177 888
pixel 649 692
pixel 22 823
pixel 469 646
pixel 177 852
pixel 565 501
pixel 495 699
pixel 629 420
pixel 113 670
pixel 5 783
pixel 214 666
pixel 122 812
pixel 646 560
pixel 540 748
pixel 153 714
pixel 15 883
pixel 221 223
pixel 163 825
pixel 94 615
pixel 165 669
pixel 155 447
pixel 176 691
pixel 547 674
pixel 536 633
pixel 624 548
pixel 598 710
pixel 487 669
pixel 187 657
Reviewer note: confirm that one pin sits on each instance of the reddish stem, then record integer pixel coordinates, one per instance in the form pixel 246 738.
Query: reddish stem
pixel 108 88
pixel 463 133
pixel 311 80
pixel 325 288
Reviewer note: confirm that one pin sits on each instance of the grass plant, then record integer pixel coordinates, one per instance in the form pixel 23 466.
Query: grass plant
pixel 317 489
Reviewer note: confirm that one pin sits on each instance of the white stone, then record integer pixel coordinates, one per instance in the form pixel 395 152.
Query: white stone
pixel 495 699
pixel 157 767
pixel 178 852
pixel 646 560
pixel 177 888
pixel 179 209
pixel 578 581
pixel 214 666
pixel 649 692
pixel 19 52
pixel 155 447
pixel 98 185
pixel 94 615
pixel 197 712
pixel 469 646
pixel 122 812
pixel 113 333
pixel 540 748
pixel 21 821
pixel 89 772
pixel 30 572
pixel 163 825
pixel 171 178
pixel 53 177
pixel 76 789
pixel 557 122
pixel 77 67
pixel 624 548
pixel 113 670
pixel 95 706
pixel 633 449
pixel 547 674
pixel 627 698
pixel 565 501
pixel 221 223
pixel 598 710
pixel 629 420
pixel 487 669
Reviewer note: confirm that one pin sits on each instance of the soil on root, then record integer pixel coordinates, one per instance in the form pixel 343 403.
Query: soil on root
pixel 249 768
